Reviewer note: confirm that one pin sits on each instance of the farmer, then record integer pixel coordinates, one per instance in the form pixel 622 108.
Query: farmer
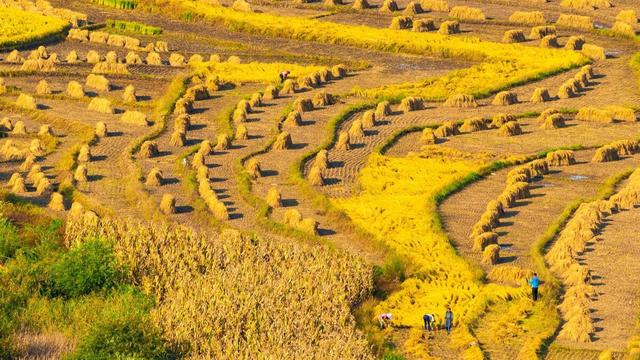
pixel 534 283
pixel 284 75
pixel 428 319
pixel 385 320
pixel 448 320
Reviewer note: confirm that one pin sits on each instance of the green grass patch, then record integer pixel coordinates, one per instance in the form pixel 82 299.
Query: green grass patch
pixel 132 26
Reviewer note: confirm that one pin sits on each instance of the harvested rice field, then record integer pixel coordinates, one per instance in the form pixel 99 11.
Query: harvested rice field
pixel 304 179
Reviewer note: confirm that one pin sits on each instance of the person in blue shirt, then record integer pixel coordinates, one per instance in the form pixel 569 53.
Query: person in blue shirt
pixel 448 320
pixel 534 283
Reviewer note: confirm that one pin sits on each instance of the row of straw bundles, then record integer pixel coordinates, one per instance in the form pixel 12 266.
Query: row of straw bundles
pixel 215 206
pixel 607 114
pixel 615 150
pixel 294 219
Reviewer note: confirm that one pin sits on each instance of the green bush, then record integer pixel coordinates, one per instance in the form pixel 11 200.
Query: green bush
pixel 85 268
pixel 118 4
pixel 133 26
pixel 9 240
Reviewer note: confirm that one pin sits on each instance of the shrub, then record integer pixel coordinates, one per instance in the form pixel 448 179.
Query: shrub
pixel 85 268
pixel 467 13
pixel 10 242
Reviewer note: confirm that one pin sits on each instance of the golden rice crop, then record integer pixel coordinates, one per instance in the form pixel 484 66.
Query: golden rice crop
pixel 466 13
pixel 461 101
pixel 19 27
pixel 422 25
pixel 629 16
pixel 527 17
pixel 241 5
pixel 513 36
pixel 575 21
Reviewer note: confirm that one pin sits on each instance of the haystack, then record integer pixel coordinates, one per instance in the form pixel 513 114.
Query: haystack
pixel 43 88
pixel 3 86
pixel 105 67
pixel 561 158
pixel 629 16
pixel 36 147
pixel 356 130
pixel 168 204
pixel 274 199
pixel 176 59
pixel 223 142
pixel 97 82
pixel 255 100
pixel 538 32
pixel 540 95
pixel 6 124
pixel 93 57
pixel 435 5
pixel 411 103
pixel 43 186
pixel 554 121
pixel 76 211
pixel 448 128
pixel 383 109
pixel 575 43
pixel 283 141
pixel 149 149
pixel 549 41
pixel 19 128
pixel 467 13
pixel 133 58
pixel 195 59
pixel 389 6
pixel 153 58
pixel 241 132
pixel 605 154
pixel 72 57
pixel 589 113
pixel 474 124
pixel 161 46
pixel 505 98
pixel 491 254
pixel 80 175
pixel 461 101
pixel 575 21
pixel 84 155
pixel 511 128
pixel 14 177
pixel 178 138
pixel 339 71
pixel 56 202
pixel 253 168
pixel 206 148
pixel 18 186
pixel 101 129
pixel 289 87
pixel 449 27
pixel 241 5
pixel 528 17
pixel 413 8
pixel 28 162
pixel 270 93
pixel 321 160
pixel 14 57
pixel 344 142
pixel 513 36
pixel 74 90
pixel 26 101
pixel 361 4
pixel 101 105
pixel 566 91
pixel 111 57
pixel 368 119
pixel 303 105
pixel 78 34
pixel 309 226
pixel 594 52
pixel 315 176
pixel 423 25
pixel 154 178
pixel 428 136
pixel 292 217
pixel 480 242
pixel 500 119
pixel 293 119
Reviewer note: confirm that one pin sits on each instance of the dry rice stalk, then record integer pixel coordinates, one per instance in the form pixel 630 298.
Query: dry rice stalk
pixel 575 43
pixel 549 41
pixel 223 142
pixel 321 160
pixel 344 142
pixel 133 58
pixel 149 149
pixel 449 27
pixel 338 71
pixel 389 6
pixel 435 5
pixel 303 105
pixel 540 95
pixel 423 25
pixel 561 158
pixel 605 153
pixel 629 16
pixel 26 101
pixel 323 98
pixel 538 32
pixel 135 118
pixel 84 155
pixel 361 4
pixel 428 136
pixel 474 124
pixel 368 119
pixel 241 132
pixel 383 109
pixel 97 82
pixel 274 199
pixel 105 67
pixel 270 93
pixel 467 13
pixel 401 22
pixel 356 130
pixel 575 21
pixel 511 128
pixel 411 103
pixel 56 203
pixel 93 57
pixel 315 176
pixel 566 91
pixel 101 105
pixel 594 52
pixel 500 119
pixel 623 28
pixel 461 101
pixel 283 141
pixel 154 178
pixel 513 36
pixel 37 65
pixel 288 87
pixel 505 98
pixel 241 5
pixel 448 128
pixel 253 168
pixel 36 147
pixel 18 186
pixel 176 59
pixel 74 90
pixel 28 162
pixel 483 240
pixel 168 204
pixel 129 95
pixel 80 175
pixel 14 57
pixel 528 18
pixel 76 211
pixel 43 88
pixel 554 121
pixel 178 138
pixel 491 254
pixel 153 58
pixel 19 128
pixel 101 129
pixel 413 8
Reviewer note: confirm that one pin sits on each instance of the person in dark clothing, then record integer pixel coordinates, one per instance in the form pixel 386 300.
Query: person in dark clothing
pixel 448 320
pixel 428 319
pixel 534 283
pixel 284 75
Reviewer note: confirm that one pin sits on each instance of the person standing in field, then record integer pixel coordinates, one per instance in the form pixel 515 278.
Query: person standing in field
pixel 284 75
pixel 384 320
pixel 448 320
pixel 534 283
pixel 428 319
